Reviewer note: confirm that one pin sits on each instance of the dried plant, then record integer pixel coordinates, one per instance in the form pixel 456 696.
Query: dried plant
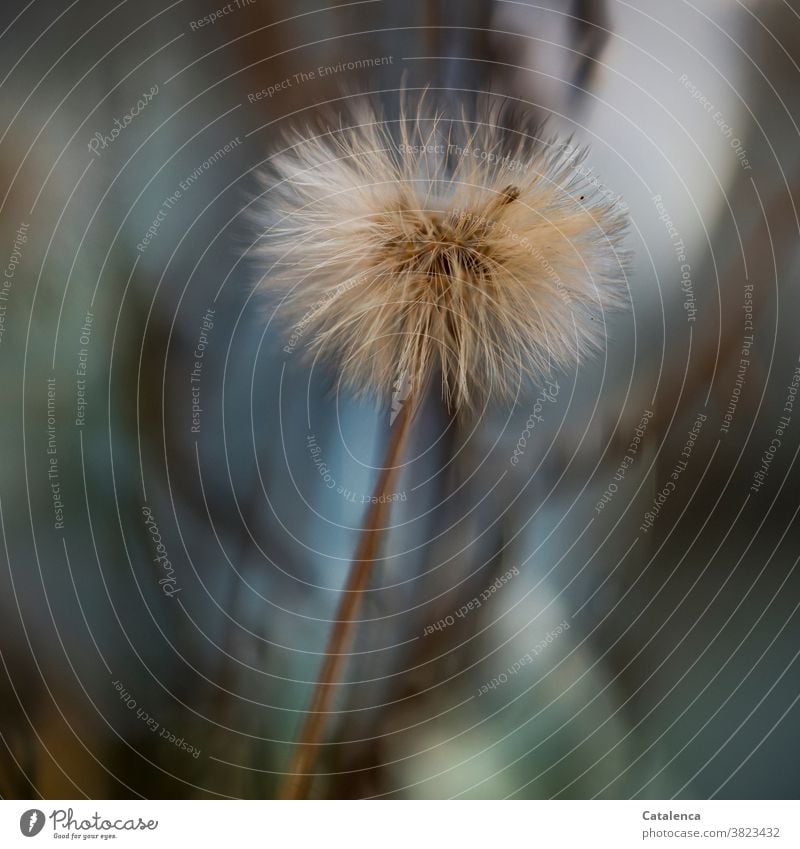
pixel 470 249
pixel 428 245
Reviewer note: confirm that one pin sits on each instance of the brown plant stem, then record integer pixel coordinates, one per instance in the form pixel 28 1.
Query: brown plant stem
pixel 301 771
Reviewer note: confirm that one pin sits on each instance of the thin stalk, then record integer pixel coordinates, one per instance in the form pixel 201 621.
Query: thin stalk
pixel 301 771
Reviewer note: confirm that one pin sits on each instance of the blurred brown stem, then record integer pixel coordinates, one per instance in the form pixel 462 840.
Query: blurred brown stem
pixel 301 771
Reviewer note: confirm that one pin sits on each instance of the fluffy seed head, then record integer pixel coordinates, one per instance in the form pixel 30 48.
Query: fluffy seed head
pixel 426 245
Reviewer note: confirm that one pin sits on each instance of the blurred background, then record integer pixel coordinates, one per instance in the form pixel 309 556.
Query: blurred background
pixel 172 556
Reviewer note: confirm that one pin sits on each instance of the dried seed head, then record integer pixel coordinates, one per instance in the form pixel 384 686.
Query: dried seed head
pixel 430 245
